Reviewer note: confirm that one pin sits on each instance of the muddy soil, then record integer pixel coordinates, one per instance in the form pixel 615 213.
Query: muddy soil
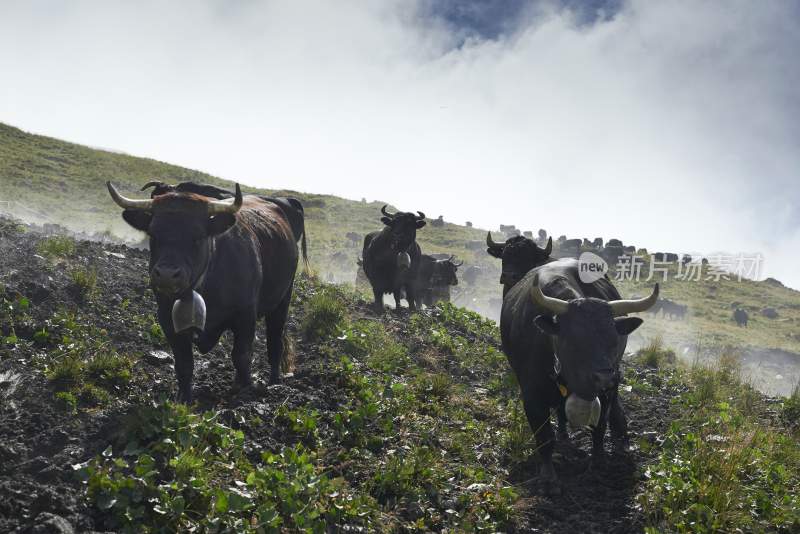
pixel 39 443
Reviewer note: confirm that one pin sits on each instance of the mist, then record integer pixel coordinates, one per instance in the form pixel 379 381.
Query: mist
pixel 672 126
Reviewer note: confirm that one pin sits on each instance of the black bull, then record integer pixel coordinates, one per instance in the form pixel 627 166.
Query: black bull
pixel 589 340
pixel 239 254
pixel 391 257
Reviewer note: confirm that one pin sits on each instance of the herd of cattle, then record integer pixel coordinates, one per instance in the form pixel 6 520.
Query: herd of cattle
pixel 220 260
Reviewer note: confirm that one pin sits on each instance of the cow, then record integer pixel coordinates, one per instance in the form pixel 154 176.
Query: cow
pixel 741 317
pixel 673 310
pixel 230 262
pixel 391 257
pixel 434 278
pixel 353 238
pixel 519 255
pixel 565 339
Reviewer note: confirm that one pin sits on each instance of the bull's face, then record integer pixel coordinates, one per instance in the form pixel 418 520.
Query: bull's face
pixel 445 272
pixel 588 339
pixel 518 255
pixel 588 334
pixel 181 227
pixel 403 227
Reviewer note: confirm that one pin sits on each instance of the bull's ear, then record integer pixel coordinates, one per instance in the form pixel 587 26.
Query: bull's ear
pixel 138 219
pixel 626 325
pixel 220 223
pixel 420 224
pixel 547 324
pixel 387 221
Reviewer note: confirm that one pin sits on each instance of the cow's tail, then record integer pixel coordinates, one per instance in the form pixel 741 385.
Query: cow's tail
pixel 303 246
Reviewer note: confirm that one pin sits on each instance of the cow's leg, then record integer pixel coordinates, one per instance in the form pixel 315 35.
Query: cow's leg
pixel 411 297
pixel 276 327
pixel 378 300
pixel 619 425
pixel 181 345
pixel 244 332
pixel 538 414
pixel 398 296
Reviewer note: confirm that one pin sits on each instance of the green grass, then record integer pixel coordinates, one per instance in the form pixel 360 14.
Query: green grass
pixel 723 467
pixel 56 247
pixel 408 448
pixel 655 355
pixel 324 314
pixel 84 280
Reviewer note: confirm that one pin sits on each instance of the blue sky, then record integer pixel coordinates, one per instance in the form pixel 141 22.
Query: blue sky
pixel 671 125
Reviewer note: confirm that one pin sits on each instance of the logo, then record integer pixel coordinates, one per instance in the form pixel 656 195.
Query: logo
pixel 591 267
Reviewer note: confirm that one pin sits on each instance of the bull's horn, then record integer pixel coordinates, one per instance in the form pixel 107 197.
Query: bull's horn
pixel 383 210
pixel 129 203
pixel 459 264
pixel 552 304
pixel 549 247
pixel 490 242
pixel 622 307
pixel 150 184
pixel 421 215
pixel 216 207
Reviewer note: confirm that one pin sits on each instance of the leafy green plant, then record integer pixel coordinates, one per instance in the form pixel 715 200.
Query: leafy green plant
pixel 185 471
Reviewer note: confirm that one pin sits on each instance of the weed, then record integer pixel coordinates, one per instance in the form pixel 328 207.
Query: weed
pixel 655 355
pixel 84 280
pixel 56 247
pixel 324 315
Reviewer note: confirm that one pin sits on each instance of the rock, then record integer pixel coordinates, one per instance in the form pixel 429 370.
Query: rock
pixel 159 357
pixel 47 523
pixel 773 282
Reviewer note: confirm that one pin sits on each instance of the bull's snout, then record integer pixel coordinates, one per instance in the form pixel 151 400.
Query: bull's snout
pixel 605 379
pixel 168 279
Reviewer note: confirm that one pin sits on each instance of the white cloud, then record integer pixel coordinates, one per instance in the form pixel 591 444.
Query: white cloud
pixel 672 126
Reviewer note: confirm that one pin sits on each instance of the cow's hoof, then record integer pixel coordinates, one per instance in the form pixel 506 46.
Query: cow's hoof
pixel 274 379
pixel 184 398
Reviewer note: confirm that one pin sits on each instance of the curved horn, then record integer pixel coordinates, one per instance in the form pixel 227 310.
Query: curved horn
pixel 552 304
pixel 150 184
pixel 621 307
pixel 128 203
pixel 216 207
pixel 459 264
pixel 548 249
pixel 383 210
pixel 490 242
pixel 421 215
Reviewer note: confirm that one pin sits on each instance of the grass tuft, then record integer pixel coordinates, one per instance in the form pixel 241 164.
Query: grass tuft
pixel 56 247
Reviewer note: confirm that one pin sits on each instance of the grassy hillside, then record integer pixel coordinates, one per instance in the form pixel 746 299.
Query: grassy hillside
pixel 64 183
pixel 399 423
